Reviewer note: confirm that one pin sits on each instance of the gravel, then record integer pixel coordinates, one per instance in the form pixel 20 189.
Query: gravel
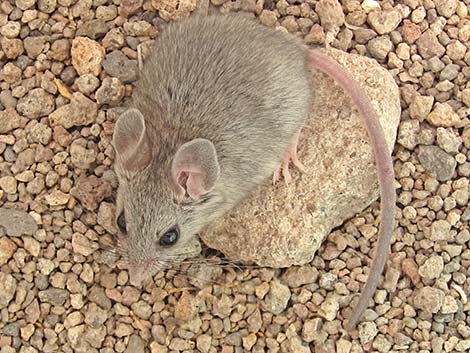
pixel 64 68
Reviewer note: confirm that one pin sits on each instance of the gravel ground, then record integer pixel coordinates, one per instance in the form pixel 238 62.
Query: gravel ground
pixel 66 65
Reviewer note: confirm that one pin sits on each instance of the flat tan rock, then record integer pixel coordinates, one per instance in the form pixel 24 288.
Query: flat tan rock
pixel 280 225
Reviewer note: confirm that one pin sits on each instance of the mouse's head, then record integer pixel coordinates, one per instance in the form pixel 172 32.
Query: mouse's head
pixel 166 195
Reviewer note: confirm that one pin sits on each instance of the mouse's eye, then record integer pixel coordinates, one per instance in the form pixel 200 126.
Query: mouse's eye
pixel 170 237
pixel 121 222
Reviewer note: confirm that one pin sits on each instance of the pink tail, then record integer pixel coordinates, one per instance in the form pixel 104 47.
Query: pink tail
pixel 385 174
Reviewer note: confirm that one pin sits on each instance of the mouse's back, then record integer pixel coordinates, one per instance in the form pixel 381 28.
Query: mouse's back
pixel 211 76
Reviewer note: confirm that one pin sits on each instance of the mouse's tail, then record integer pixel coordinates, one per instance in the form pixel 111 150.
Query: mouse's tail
pixel 385 174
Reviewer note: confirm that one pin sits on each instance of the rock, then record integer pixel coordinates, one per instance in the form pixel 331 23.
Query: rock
pixel 446 8
pixel 111 92
pixel 449 72
pixel 9 120
pixel 448 140
pixel 142 309
pixel 36 104
pixel 380 47
pixel 136 345
pixel 277 298
pixel 384 21
pixel 174 9
pixel 429 46
pixel 408 134
pixel 95 336
pixel 9 102
pixel 97 295
pixel 411 31
pixel 329 308
pixel 75 336
pixel 421 106
pixel 47 6
pixel 179 345
pixel 336 155
pixel 118 65
pixel 17 223
pixel 310 329
pixel 54 296
pixel 7 249
pixel 130 295
pixel 370 5
pixel 82 245
pixel 203 343
pixel 87 56
pixel 222 307
pixel 12 48
pixel 410 269
pixel 462 345
pixel 80 111
pixel 449 306
pixel 11 73
pixel 316 35
pixel 7 289
pixel 60 50
pixel 466 97
pixel 45 266
pixel 93 29
pixel 159 348
pixel 297 276
pixel 11 29
pixel 295 345
pixel 130 7
pixel 186 307
pixel 429 299
pixel 330 13
pixel 139 28
pixel 32 246
pixel 8 184
pixel 268 18
pixel 87 83
pixel 432 267
pixel 34 45
pixel 95 316
pixel 443 115
pixel 440 230
pixel 367 332
pixel 90 191
pixel 57 198
pixel 24 4
pixel 344 346
pixel 106 217
pixel 40 133
pixel 81 157
pixel 113 40
pixel 456 51
pixel 437 162
pixel 363 35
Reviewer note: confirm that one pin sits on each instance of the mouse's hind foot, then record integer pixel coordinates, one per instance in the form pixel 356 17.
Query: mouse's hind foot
pixel 290 155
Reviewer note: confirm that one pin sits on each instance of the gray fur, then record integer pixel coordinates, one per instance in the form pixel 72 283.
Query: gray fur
pixel 227 79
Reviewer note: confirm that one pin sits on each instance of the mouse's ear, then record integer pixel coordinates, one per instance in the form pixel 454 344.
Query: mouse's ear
pixel 195 168
pixel 130 141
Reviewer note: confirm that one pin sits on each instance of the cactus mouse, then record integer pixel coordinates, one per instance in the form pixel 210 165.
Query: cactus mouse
pixel 217 111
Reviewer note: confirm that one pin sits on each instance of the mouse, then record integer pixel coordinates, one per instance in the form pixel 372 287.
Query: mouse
pixel 217 111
